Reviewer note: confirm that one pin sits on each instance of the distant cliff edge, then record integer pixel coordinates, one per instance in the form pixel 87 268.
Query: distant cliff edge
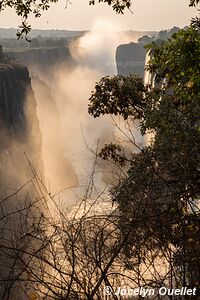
pixel 42 57
pixel 43 64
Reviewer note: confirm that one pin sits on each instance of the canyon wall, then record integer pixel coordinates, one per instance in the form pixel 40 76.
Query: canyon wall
pixel 20 135
pixel 130 59
pixel 39 60
pixel 43 64
pixel 20 161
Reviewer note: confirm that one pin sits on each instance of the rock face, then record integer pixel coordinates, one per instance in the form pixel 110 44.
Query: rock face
pixel 1 54
pixel 42 57
pixel 130 59
pixel 20 133
pixel 43 64
pixel 20 154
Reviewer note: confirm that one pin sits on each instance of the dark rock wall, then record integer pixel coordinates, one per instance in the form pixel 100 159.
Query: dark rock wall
pixel 43 64
pixel 42 57
pixel 19 127
pixel 20 153
pixel 13 82
pixel 130 59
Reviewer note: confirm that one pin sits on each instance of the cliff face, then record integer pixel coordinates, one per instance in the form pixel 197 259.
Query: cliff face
pixel 20 144
pixel 43 57
pixel 43 64
pixel 13 82
pixel 19 127
pixel 130 59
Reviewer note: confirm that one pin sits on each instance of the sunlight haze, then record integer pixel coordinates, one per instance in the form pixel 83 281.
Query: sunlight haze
pixel 147 15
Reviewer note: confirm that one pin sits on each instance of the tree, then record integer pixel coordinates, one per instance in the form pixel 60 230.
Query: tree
pixel 70 256
pixel 159 196
pixel 157 220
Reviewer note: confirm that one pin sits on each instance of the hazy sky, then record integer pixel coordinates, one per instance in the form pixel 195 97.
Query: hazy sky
pixel 147 15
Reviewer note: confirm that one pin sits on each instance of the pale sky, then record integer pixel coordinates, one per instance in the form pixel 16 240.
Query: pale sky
pixel 147 15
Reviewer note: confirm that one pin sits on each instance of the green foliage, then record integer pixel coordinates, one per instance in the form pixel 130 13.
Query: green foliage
pixel 169 62
pixel 118 95
pixel 157 198
pixel 114 153
pixel 194 2
pixel 118 5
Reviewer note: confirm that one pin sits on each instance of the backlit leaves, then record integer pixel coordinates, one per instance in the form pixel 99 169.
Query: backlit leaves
pixel 118 95
pixel 118 5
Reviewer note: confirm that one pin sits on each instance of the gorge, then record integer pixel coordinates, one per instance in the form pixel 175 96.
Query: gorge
pixel 46 124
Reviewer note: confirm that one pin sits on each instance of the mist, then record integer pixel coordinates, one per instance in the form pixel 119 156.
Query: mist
pixel 70 135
